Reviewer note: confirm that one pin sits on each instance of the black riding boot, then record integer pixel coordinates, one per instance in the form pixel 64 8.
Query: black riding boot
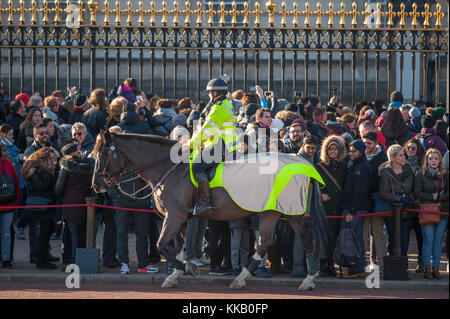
pixel 204 206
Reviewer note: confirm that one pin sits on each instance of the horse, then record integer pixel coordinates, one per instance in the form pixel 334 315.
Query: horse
pixel 174 195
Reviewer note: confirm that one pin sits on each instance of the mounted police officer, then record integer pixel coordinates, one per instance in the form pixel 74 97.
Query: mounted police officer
pixel 214 142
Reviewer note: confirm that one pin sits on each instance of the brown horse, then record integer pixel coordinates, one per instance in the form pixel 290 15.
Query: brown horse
pixel 174 194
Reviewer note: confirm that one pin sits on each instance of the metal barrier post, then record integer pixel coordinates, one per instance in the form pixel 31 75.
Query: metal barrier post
pixel 397 221
pixel 90 231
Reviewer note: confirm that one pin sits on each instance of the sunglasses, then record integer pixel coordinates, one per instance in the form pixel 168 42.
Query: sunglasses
pixel 43 133
pixel 413 148
pixel 77 134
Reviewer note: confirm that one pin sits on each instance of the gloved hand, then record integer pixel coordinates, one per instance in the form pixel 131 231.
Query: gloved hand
pixel 406 200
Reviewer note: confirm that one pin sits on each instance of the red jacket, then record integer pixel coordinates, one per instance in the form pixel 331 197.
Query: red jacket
pixel 9 169
pixel 381 139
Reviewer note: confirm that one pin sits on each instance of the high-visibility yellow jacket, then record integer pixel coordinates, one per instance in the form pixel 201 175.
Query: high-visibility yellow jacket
pixel 219 124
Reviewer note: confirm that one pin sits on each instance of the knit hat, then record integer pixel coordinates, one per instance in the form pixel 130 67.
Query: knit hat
pixel 291 107
pixel 251 109
pixel 414 112
pixel 397 96
pixel 348 138
pixel 359 145
pixel 179 119
pixel 428 121
pixel 25 98
pixel 299 122
pixel 36 100
pixel 69 149
pixel 80 101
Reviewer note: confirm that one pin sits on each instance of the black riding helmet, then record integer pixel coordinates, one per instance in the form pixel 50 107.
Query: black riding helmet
pixel 218 85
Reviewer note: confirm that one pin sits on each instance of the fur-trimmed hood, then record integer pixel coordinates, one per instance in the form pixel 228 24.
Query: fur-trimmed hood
pixel 287 117
pixel 333 139
pixel 80 166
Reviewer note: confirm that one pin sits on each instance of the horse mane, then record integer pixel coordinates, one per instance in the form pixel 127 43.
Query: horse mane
pixel 146 137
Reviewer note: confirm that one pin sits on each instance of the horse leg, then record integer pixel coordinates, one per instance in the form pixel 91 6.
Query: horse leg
pixel 301 228
pixel 267 224
pixel 169 231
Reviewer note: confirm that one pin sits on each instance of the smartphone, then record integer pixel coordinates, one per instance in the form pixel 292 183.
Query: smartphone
pixel 139 98
pixel 267 93
pixel 298 94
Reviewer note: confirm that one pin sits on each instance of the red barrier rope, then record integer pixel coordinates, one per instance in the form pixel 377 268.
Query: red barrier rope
pixel 154 211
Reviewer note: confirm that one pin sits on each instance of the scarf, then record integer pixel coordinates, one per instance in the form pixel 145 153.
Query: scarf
pixel 305 156
pixel 413 160
pixel 261 124
pixel 377 151
pixel 433 171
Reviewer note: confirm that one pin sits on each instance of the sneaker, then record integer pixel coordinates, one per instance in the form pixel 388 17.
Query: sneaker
pixel 113 264
pixel 148 270
pixel 51 258
pixel 196 262
pixel 262 272
pixel 204 260
pixel 236 272
pixel 124 269
pixel 220 271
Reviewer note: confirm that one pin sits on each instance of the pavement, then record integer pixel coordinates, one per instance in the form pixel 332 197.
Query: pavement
pixel 25 272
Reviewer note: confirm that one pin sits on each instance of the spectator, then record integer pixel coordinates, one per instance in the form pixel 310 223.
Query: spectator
pixel 115 110
pixel 293 141
pixel 163 118
pixel 84 139
pixel 237 95
pixel 348 121
pixel 39 170
pixel 185 106
pixel 25 98
pixel 357 199
pixel 129 121
pixel 25 137
pixel 414 124
pixel 53 133
pixel 317 127
pixel 6 214
pixel 128 90
pixel 397 188
pixel 373 225
pixel 333 172
pixel 180 132
pixel 194 116
pixel 76 171
pixel 81 105
pixel 259 129
pixel 396 100
pixel 16 116
pixel 441 129
pixel 247 115
pixel 95 117
pixel 36 101
pixel 239 243
pixel 308 148
pixel 288 117
pixel 369 126
pixel 41 139
pixel 431 186
pixel 61 112
pixel 428 137
pixel 51 109
pixel 395 129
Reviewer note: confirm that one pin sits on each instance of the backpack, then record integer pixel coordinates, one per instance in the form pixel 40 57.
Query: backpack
pixel 8 193
pixel 347 250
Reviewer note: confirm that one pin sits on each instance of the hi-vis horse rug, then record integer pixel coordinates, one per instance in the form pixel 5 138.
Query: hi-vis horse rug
pixel 266 181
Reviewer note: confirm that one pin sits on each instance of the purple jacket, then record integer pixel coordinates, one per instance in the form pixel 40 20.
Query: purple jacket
pixel 431 140
pixel 127 92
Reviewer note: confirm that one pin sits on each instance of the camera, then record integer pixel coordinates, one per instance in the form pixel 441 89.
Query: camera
pixel 298 94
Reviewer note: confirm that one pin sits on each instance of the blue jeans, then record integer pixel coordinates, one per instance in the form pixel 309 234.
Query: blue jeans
pixel 432 243
pixel 6 220
pixel 357 226
pixel 405 229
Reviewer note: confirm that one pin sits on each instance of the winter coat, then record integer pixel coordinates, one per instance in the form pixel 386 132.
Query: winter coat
pixel 129 123
pixel 33 147
pixel 9 170
pixel 414 125
pixel 76 116
pixel 289 146
pixel 391 139
pixel 87 146
pixel 94 120
pixel 429 139
pixel 357 185
pixel 163 121
pixel 336 128
pixel 63 114
pixel 15 120
pixel 256 134
pixel 375 161
pixel 338 170
pixel 127 92
pixel 425 185
pixel 13 151
pixel 74 185
pixel 318 130
pixel 26 130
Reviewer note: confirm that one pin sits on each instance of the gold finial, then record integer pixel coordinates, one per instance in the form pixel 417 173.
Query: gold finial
pixel 257 13
pixel 296 14
pixel 210 13
pixel 222 13
pixel 390 14
pixel 35 11
pixel 188 12
pixel 45 10
pixel 93 6
pixel 319 14
pixel 175 12
pixel 427 15
pixel 379 14
pixel 1 10
pixel 245 13
pixel 117 12
pixel 414 15
pixel 233 13
pixel 330 13
pixel 402 14
pixel 106 12
pixel 22 11
pixel 307 14
pixel 164 13
pixel 152 13
pixel 366 13
pixel 141 12
pixel 10 11
pixel 438 15
pixel 271 7
pixel 199 13
pixel 129 12
pixel 284 14
pixel 354 14
pixel 80 5
pixel 342 14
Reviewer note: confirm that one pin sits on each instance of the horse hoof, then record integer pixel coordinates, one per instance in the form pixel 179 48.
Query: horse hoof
pixel 305 287
pixel 192 269
pixel 168 284
pixel 236 284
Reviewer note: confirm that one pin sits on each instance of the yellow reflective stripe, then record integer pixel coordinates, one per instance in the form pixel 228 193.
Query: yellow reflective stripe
pixel 214 125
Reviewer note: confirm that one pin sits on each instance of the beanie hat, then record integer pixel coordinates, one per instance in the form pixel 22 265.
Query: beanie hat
pixel 299 122
pixel 80 101
pixel 359 145
pixel 179 119
pixel 291 107
pixel 69 149
pixel 282 103
pixel 397 96
pixel 348 138
pixel 428 121
pixel 25 98
pixel 251 109
pixel 414 112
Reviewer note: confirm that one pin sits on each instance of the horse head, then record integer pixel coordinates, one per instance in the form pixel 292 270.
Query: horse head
pixel 109 162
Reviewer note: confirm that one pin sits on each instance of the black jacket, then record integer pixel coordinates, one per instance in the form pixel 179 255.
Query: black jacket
pixel 15 120
pixel 40 184
pixel 339 172
pixel 75 117
pixel 33 147
pixel 129 123
pixel 63 114
pixel 94 120
pixel 375 163
pixel 357 186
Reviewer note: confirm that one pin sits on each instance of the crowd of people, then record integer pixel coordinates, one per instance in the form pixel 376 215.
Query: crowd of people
pixel 373 157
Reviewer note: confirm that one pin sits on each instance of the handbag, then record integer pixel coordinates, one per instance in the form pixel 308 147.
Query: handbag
pixel 427 218
pixel 36 200
pixel 8 192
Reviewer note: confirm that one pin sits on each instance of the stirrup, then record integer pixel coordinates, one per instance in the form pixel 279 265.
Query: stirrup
pixel 203 208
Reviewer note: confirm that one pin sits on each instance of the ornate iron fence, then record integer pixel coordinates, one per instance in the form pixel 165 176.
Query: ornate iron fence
pixel 366 49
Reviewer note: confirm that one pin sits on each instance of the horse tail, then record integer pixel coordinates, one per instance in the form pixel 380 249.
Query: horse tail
pixel 318 223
